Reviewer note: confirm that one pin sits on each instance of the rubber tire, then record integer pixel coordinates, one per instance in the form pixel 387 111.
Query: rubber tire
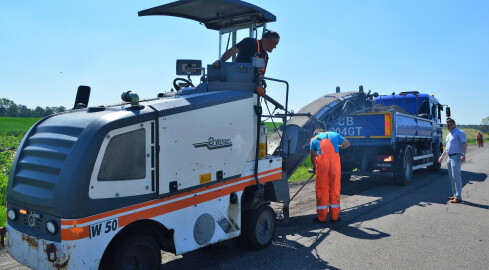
pixel 404 175
pixel 258 228
pixel 345 177
pixel 136 251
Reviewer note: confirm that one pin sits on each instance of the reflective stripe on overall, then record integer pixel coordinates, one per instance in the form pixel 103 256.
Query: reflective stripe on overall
pixel 261 72
pixel 328 181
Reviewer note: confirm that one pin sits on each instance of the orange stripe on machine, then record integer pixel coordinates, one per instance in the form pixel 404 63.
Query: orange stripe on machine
pixel 158 207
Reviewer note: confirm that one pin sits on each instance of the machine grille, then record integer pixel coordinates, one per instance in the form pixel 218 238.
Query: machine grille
pixel 36 224
pixel 42 159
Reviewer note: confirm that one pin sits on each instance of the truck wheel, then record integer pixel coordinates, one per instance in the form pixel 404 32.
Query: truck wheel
pixel 258 227
pixel 136 251
pixel 404 174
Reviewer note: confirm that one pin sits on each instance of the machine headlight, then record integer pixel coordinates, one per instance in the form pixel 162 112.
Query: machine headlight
pixel 51 227
pixel 12 214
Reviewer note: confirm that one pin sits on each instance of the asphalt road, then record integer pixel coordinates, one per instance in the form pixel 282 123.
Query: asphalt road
pixel 383 226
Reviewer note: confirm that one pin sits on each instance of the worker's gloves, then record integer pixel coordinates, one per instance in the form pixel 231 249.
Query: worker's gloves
pixel 217 64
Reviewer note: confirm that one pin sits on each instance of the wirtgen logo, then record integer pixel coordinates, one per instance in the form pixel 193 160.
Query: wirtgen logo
pixel 215 143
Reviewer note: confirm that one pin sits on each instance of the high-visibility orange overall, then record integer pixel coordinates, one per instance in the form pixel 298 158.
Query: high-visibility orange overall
pixel 328 181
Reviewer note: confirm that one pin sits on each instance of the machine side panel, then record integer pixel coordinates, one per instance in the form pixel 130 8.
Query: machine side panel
pixel 205 145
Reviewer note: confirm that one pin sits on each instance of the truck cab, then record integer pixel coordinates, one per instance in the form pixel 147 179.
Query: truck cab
pixel 414 103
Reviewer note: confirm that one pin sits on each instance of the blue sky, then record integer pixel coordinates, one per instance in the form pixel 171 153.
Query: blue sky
pixel 50 47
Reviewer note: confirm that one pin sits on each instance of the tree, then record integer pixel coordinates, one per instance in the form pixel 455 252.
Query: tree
pixel 13 111
pixel 5 105
pixel 485 124
pixel 39 112
pixel 8 108
pixel 58 109
pixel 24 111
pixel 48 111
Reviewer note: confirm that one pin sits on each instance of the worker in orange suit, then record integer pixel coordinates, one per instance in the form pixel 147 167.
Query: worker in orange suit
pixel 325 159
pixel 480 141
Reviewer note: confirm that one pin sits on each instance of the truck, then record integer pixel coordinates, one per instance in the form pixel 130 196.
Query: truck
pixel 398 134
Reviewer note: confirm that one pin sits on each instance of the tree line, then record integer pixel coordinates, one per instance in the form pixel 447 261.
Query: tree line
pixel 8 108
pixel 485 124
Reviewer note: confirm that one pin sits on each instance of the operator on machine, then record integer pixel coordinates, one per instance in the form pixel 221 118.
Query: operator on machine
pixel 325 160
pixel 251 47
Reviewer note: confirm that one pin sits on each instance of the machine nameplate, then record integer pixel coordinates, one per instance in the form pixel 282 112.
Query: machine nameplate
pixel 212 143
pixel 103 227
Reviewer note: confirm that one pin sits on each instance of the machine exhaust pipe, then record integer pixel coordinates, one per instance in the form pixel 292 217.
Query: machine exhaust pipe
pixel 131 97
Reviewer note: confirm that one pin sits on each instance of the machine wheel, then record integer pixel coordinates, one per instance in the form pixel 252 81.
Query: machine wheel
pixel 136 251
pixel 189 83
pixel 258 227
pixel 404 174
pixel 345 177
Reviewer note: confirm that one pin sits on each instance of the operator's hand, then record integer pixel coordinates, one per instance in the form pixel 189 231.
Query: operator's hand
pixel 260 91
pixel 217 64
pixel 440 159
pixel 462 159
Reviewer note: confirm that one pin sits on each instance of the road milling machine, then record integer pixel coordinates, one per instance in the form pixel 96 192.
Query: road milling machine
pixel 109 187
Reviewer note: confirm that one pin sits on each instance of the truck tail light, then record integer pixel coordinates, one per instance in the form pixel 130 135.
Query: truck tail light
pixel 384 159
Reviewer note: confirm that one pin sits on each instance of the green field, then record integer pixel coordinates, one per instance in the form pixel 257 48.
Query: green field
pixel 12 131
pixel 16 124
pixel 471 134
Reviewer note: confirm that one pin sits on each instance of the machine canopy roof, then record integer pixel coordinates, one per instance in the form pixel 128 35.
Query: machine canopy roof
pixel 214 14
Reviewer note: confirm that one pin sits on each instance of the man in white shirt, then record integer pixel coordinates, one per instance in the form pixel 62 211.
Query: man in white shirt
pixel 456 147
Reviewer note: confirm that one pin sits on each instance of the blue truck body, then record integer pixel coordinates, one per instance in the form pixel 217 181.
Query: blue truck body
pixel 404 135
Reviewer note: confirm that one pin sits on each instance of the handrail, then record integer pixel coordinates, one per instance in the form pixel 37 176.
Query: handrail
pixel 284 117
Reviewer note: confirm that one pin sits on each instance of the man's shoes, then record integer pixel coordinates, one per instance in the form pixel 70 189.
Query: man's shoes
pixel 335 221
pixel 456 200
pixel 316 220
pixel 451 198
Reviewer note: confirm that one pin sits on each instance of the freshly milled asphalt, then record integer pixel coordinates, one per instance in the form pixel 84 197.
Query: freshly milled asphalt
pixel 383 226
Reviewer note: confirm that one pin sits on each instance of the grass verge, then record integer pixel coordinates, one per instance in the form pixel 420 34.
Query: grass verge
pixel 470 133
pixel 302 173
